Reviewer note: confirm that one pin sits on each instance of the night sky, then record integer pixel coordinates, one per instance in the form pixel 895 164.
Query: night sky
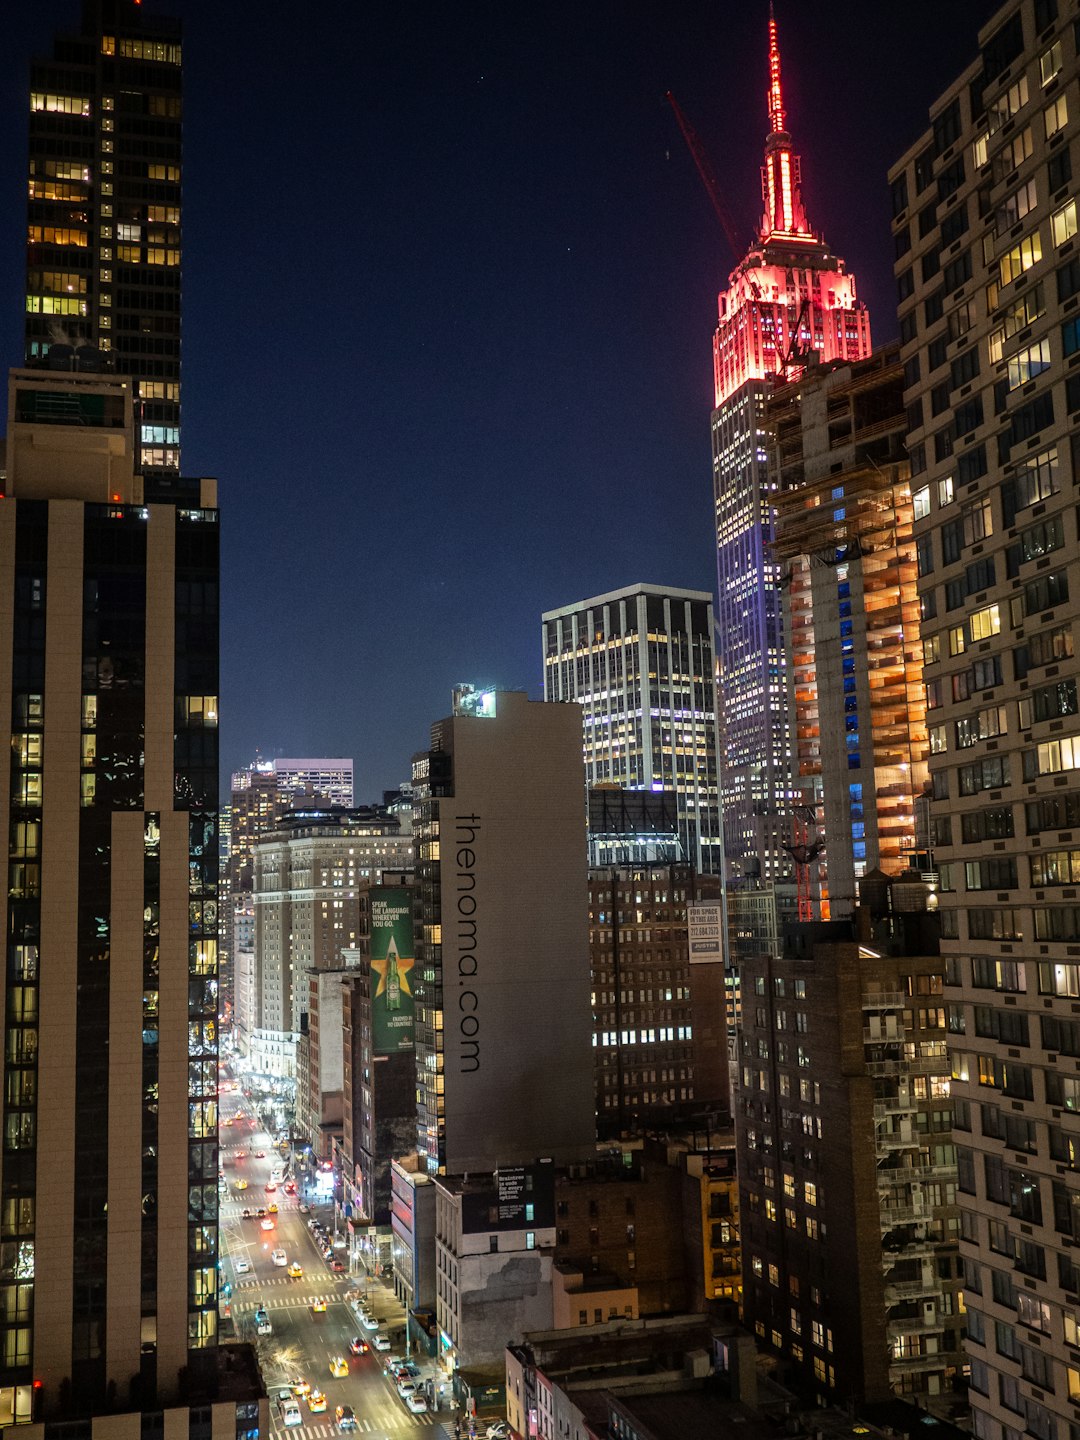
pixel 449 290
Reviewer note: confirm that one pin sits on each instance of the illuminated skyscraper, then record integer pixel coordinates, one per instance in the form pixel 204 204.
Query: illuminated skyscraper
pixel 639 662
pixel 985 222
pixel 788 296
pixel 103 238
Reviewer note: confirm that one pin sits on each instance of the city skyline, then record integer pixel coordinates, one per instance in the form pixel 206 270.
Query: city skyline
pixel 506 317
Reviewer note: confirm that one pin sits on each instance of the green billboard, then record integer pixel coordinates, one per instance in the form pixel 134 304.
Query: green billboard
pixel 392 960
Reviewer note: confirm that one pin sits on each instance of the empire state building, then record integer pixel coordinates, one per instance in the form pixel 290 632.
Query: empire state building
pixel 788 299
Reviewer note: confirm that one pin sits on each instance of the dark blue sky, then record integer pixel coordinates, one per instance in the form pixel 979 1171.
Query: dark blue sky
pixel 449 289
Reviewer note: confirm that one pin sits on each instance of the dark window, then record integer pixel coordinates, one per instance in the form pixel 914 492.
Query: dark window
pixel 1068 279
pixel 968 417
pixel 1070 337
pixel 1045 13
pixel 905 284
pixel 971 465
pixel 902 241
pixel 924 170
pixel 958 271
pixel 939 398
pixel 954 225
pixel 952 541
pixel 951 178
pixel 934 307
pixel 966 366
pixel 909 327
pixel 947 126
pixel 935 355
pixel 1003 47
pixel 930 263
pixel 899 195
pixel 1059 170
pixel 1026 422
pixel 911 372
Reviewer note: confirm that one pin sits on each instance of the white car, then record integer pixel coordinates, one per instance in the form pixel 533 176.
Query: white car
pixel 279 1257
pixel 380 1342
pixel 368 1320
pixel 500 1430
pixel 406 1388
pixel 242 1267
pixel 290 1412
pixel 416 1403
pixel 262 1322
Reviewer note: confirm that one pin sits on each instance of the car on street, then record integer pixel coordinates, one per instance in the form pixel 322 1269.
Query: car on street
pixel 266 1223
pixel 337 1267
pixel 262 1322
pixel 295 1271
pixel 380 1342
pixel 271 1209
pixel 416 1403
pixel 260 1154
pixel 279 1257
pixel 290 1412
pixel 339 1367
pixel 318 1307
pixel 242 1267
pixel 405 1388
pixel 246 1214
pixel 368 1320
pixel 270 1187
pixel 300 1386
pixel 357 1346
pixel 411 1368
pixel 240 1184
pixel 345 1417
pixel 500 1430
pixel 316 1402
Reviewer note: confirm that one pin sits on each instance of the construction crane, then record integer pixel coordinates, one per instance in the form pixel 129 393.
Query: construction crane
pixel 708 177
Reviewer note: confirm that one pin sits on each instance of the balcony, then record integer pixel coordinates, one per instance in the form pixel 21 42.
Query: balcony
pixel 886 1000
pixel 875 1037
pixel 915 1065
pixel 910 1364
pixel 898 1291
pixel 894 1105
pixel 914 1325
pixel 894 1140
pixel 905 1215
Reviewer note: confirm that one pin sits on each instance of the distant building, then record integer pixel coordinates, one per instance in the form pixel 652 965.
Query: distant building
pixel 494 1248
pixel 788 298
pixel 619 1215
pixel 503 1055
pixel 379 1094
pixel 639 661
pixel 308 873
pixel 412 1222
pixel 711 1222
pixel 659 1029
pixel 847 1167
pixel 851 613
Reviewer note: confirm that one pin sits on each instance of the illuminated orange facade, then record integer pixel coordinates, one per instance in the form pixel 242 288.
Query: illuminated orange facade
pixel 844 537
pixel 789 298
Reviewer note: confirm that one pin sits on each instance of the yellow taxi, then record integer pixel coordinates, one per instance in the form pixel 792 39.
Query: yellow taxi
pixel 316 1401
pixel 271 1209
pixel 318 1307
pixel 240 1184
pixel 295 1271
pixel 339 1367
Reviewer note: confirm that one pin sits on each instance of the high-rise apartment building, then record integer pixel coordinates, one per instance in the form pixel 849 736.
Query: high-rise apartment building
pixel 103 251
pixel 108 1172
pixel 504 1065
pixel 787 298
pixel 659 1032
pixel 988 276
pixel 847 1170
pixel 851 614
pixel 639 662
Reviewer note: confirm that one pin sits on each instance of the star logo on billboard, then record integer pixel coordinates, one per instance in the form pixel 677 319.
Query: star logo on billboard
pixel 395 963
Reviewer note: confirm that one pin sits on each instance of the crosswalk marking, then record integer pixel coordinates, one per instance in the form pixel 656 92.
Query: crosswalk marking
pixel 391 1421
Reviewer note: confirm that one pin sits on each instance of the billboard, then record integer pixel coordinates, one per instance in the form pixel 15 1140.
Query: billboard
pixel 705 932
pixel 392 961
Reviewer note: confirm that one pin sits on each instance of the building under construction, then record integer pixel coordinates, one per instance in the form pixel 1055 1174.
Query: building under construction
pixel 844 543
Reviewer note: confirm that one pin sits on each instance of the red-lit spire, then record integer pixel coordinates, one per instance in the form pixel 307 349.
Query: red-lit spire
pixel 776 97
pixel 784 213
